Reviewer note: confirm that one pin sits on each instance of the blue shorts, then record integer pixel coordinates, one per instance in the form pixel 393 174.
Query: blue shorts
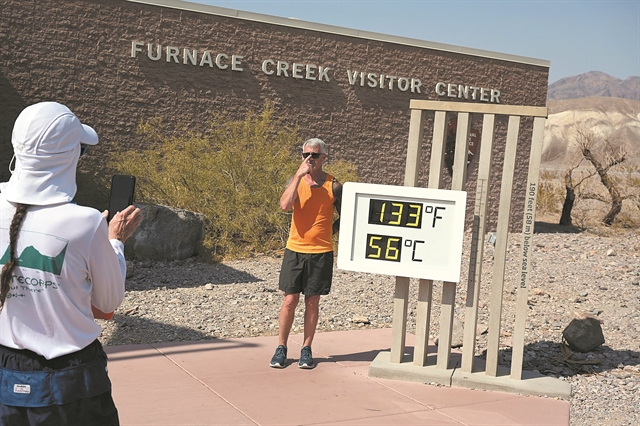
pixel 72 389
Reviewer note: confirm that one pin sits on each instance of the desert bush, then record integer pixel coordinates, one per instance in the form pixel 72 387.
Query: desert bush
pixel 234 174
pixel 550 193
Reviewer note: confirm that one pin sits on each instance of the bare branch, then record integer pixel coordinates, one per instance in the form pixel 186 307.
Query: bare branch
pixel 594 196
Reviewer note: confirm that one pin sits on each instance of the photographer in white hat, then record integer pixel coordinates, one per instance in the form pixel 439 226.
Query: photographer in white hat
pixel 59 260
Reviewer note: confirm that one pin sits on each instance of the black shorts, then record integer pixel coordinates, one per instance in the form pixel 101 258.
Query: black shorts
pixel 309 274
pixel 69 390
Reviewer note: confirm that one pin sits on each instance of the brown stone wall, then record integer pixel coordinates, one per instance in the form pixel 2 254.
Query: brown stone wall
pixel 79 53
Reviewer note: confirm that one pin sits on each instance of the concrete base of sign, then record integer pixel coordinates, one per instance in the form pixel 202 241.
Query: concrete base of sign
pixel 532 383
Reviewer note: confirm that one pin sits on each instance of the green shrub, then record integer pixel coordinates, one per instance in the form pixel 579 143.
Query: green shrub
pixel 233 174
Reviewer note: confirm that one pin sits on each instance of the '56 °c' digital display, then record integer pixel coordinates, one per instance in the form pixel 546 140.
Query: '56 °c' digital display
pixel 383 247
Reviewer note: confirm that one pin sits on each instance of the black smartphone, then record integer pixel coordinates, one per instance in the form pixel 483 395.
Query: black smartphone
pixel 122 193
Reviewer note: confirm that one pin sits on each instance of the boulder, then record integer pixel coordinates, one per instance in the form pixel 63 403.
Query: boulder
pixel 457 334
pixel 583 334
pixel 166 233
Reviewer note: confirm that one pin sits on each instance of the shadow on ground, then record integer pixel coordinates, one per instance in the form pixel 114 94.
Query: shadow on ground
pixel 554 228
pixel 149 275
pixel 134 330
pixel 552 358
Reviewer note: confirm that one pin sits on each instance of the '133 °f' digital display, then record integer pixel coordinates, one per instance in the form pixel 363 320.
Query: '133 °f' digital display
pixel 385 212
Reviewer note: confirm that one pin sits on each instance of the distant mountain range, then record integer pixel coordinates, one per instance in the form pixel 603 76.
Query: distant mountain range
pixel 594 83
pixel 604 105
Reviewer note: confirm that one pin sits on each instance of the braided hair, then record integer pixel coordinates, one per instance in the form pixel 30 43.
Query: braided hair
pixel 5 278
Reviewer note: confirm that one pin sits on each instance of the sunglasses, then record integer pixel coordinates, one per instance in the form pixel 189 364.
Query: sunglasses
pixel 314 155
pixel 83 149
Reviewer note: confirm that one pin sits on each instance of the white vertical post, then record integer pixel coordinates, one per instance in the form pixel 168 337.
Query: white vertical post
pixel 436 163
pixel 477 243
pixel 425 287
pixel 401 298
pixel 459 178
pixel 399 329
pixel 414 148
pixel 458 181
pixel 423 316
pixel 526 247
pixel 497 284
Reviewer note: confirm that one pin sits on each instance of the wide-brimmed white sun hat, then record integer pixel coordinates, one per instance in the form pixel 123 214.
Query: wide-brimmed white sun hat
pixel 46 142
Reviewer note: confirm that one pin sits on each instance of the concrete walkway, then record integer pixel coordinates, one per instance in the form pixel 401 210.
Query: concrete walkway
pixel 229 382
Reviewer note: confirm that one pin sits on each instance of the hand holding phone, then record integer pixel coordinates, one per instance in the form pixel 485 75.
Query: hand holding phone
pixel 124 223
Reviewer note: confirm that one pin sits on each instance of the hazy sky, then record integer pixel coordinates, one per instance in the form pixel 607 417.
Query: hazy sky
pixel 576 36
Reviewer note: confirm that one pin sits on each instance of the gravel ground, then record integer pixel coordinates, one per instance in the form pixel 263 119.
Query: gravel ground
pixel 571 272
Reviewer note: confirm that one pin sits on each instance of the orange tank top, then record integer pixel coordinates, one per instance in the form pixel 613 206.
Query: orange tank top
pixel 312 222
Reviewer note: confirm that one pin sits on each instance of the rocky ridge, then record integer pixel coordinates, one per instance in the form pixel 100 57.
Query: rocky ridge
pixel 612 119
pixel 594 83
pixel 571 272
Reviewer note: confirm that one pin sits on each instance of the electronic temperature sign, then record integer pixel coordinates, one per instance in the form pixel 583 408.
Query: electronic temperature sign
pixel 402 231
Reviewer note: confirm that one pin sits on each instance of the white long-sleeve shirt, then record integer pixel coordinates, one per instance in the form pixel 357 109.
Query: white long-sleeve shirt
pixel 66 264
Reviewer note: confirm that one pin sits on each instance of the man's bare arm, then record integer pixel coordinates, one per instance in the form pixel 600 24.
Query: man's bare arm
pixel 290 194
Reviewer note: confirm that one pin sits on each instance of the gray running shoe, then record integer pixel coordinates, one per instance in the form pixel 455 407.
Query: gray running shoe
pixel 306 360
pixel 279 358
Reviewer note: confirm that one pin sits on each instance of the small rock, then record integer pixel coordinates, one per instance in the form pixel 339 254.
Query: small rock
pixel 359 319
pixel 131 311
pixel 584 334
pixel 482 330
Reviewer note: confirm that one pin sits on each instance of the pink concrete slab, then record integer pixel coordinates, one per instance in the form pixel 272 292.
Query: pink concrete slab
pixel 225 357
pixel 215 354
pixel 440 397
pixel 355 349
pixel 143 361
pixel 229 382
pixel 148 388
pixel 522 410
pixel 220 347
pixel 295 396
pixel 360 348
pixel 426 417
pixel 352 343
pixel 330 392
pixel 483 407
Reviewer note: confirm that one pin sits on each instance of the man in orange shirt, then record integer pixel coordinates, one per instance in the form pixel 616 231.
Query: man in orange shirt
pixel 307 265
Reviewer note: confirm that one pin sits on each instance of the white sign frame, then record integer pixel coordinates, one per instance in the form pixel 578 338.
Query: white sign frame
pixel 435 250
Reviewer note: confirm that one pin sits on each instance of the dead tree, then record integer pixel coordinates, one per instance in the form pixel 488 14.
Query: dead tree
pixel 571 186
pixel 603 162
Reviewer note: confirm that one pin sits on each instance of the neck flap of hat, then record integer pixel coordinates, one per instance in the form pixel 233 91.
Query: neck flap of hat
pixel 46 141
